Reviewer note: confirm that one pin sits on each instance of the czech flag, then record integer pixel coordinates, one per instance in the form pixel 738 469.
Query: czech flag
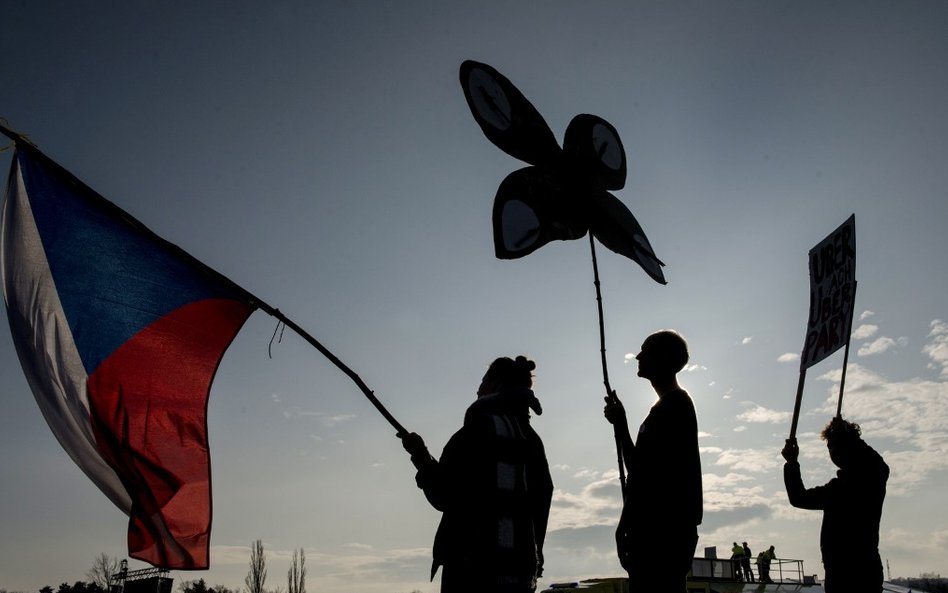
pixel 119 333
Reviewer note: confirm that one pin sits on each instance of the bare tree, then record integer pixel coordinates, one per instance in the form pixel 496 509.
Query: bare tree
pixel 198 586
pixel 103 567
pixel 201 586
pixel 296 576
pixel 257 576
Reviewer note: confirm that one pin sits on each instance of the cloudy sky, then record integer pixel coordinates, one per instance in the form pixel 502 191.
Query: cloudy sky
pixel 321 155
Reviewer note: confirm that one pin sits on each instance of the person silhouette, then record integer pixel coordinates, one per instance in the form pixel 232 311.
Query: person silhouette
pixel 737 561
pixel 746 563
pixel 851 504
pixel 493 487
pixel 763 564
pixel 737 554
pixel 663 496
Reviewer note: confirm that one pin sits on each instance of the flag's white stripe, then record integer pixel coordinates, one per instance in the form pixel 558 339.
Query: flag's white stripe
pixel 44 342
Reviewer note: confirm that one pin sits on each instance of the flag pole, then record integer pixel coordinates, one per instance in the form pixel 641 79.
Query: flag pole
pixel 610 394
pixel 22 143
pixel 796 404
pixel 17 138
pixel 842 380
pixel 602 327
pixel 369 394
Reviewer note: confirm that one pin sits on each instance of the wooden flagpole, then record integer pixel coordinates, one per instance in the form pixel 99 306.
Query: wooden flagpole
pixel 842 380
pixel 610 394
pixel 796 404
pixel 369 394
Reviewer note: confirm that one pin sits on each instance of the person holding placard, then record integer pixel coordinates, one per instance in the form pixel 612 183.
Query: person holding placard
pixel 851 504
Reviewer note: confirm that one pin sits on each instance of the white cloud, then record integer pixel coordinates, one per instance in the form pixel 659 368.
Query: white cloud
pixel 865 315
pixel 336 419
pixel 732 495
pixel 927 545
pixel 761 415
pixel 937 348
pixel 295 411
pixel 913 414
pixel 749 460
pixel 598 503
pixel 230 554
pixel 939 328
pixel 940 539
pixel 747 340
pixel 358 546
pixel 586 474
pixel 864 331
pixel 880 345
pixel 695 367
pixel 788 357
pixel 629 358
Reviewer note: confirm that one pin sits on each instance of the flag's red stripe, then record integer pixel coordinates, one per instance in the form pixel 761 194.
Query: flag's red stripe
pixel 148 402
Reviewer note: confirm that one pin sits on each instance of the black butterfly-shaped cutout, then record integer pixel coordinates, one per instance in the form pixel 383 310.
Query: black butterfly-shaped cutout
pixel 564 194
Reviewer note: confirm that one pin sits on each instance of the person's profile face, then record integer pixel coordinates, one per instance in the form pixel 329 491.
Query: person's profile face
pixel 646 359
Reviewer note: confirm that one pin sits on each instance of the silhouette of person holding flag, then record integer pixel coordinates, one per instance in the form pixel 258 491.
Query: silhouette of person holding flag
pixel 663 495
pixel 493 487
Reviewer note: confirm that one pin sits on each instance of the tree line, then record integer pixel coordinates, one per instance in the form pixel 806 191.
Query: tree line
pixel 104 567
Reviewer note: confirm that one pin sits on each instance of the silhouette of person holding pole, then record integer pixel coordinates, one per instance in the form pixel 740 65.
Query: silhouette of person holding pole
pixel 663 497
pixel 493 487
pixel 851 504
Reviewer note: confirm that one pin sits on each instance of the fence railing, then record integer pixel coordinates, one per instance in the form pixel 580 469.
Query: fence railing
pixel 780 570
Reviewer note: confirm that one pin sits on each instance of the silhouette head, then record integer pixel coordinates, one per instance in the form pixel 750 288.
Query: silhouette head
pixel 506 372
pixel 842 439
pixel 663 355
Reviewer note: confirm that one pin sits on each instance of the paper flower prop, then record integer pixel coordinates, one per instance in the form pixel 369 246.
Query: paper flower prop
pixel 564 193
